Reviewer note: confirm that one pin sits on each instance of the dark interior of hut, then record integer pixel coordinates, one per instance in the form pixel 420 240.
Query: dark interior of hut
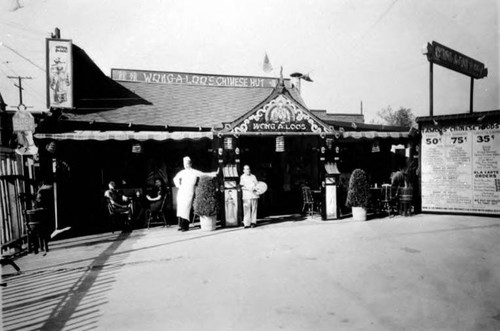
pixel 284 171
pixel 83 176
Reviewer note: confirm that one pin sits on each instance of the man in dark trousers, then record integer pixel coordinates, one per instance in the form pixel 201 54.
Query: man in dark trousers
pixel 45 205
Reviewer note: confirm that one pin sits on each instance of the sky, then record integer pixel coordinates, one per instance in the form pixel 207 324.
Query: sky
pixel 365 51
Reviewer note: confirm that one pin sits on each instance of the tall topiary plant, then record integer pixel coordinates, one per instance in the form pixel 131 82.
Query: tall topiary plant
pixel 206 202
pixel 358 193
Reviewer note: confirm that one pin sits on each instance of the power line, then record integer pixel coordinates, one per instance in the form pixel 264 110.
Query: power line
pixel 381 17
pixel 22 27
pixel 4 73
pixel 26 32
pixel 22 56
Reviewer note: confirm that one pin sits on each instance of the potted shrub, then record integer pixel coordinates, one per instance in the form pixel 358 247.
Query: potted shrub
pixel 206 202
pixel 358 194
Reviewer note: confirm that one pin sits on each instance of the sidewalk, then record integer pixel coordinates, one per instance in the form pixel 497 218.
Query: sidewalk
pixel 425 272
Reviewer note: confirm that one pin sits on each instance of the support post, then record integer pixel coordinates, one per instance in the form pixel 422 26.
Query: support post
pixel 431 89
pixel 471 95
pixel 54 171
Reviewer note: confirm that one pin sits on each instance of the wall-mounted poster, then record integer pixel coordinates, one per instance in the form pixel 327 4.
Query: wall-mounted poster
pixel 59 73
pixel 461 168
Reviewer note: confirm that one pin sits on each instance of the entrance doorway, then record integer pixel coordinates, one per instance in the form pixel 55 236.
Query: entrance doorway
pixel 284 172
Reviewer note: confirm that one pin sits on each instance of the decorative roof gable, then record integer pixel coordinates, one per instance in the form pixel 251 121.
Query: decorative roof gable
pixel 280 113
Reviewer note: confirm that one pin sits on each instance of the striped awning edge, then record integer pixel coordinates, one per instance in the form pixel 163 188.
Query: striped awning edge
pixel 124 135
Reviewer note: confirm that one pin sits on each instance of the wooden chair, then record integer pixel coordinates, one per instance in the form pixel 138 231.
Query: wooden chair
pixel 119 215
pixel 308 202
pixel 155 217
pixel 388 199
pixel 38 236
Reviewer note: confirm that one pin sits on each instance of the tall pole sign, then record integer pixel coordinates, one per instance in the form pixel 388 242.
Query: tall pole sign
pixel 59 73
pixel 456 61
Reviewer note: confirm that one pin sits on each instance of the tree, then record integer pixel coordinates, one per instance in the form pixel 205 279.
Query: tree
pixel 401 117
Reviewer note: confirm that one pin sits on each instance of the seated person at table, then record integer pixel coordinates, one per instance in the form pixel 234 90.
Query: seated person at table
pixel 119 203
pixel 156 195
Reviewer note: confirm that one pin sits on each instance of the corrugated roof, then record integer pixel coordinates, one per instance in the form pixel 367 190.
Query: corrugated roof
pixel 328 117
pixel 179 105
pixel 354 122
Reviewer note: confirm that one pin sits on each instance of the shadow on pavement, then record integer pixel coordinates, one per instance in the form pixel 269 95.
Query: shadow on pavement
pixel 68 295
pixel 70 292
pixel 281 218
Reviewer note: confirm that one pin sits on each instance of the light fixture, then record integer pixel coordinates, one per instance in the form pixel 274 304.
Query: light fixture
pixel 137 148
pixel 329 143
pixel 228 143
pixel 51 147
pixel 280 144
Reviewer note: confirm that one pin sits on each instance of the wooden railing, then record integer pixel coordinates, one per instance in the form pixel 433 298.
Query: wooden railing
pixel 14 200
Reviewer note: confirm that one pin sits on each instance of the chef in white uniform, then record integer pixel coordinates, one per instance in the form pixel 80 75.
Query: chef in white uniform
pixel 186 180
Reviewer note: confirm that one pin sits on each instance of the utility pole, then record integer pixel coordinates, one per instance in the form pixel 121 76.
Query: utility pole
pixel 20 87
pixel 3 105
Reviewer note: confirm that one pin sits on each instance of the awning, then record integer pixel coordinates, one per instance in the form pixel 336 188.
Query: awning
pixel 125 135
pixel 374 134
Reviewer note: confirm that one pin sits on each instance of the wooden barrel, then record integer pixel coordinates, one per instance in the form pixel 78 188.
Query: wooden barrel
pixel 406 194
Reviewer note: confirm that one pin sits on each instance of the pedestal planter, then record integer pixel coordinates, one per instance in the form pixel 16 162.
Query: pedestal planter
pixel 358 194
pixel 405 200
pixel 359 213
pixel 406 194
pixel 206 202
pixel 208 223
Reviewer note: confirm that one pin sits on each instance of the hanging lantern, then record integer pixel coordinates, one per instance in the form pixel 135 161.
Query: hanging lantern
pixel 329 143
pixel 280 144
pixel 375 147
pixel 137 148
pixel 51 147
pixel 228 143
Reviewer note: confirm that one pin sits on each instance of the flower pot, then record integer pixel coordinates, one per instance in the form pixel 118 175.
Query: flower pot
pixel 208 223
pixel 406 194
pixel 359 213
pixel 405 200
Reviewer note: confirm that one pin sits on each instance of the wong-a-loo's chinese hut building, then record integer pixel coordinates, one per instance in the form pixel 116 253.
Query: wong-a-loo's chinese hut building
pixel 138 125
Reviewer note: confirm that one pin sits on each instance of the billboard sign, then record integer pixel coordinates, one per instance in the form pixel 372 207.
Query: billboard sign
pixel 451 59
pixel 177 78
pixel 460 168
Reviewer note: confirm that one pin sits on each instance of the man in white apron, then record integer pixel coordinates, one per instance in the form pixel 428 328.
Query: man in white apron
pixel 248 184
pixel 186 180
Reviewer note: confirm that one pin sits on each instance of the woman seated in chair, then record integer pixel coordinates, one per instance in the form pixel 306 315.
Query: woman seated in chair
pixel 156 195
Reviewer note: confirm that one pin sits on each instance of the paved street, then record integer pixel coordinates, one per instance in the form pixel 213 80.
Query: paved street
pixel 425 272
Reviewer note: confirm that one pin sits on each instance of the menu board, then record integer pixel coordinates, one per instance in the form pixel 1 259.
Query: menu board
pixel 460 169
